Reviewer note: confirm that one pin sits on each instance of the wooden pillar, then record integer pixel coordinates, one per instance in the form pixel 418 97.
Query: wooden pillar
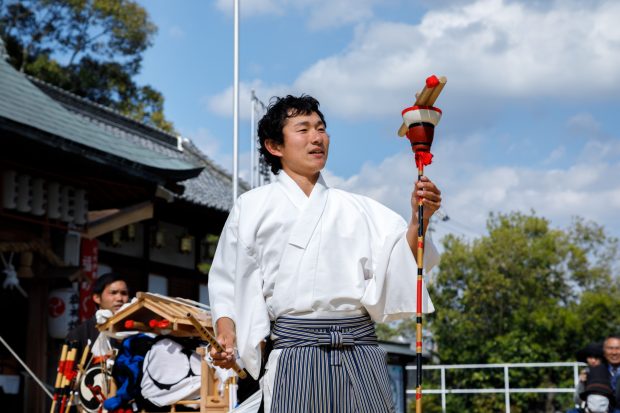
pixel 204 380
pixel 36 400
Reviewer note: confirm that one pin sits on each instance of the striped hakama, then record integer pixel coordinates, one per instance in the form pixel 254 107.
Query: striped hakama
pixel 330 365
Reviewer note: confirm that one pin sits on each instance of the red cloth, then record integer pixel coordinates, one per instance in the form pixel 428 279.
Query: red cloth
pixel 423 158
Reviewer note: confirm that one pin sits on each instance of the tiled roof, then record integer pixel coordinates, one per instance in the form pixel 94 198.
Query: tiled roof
pixel 22 103
pixel 211 188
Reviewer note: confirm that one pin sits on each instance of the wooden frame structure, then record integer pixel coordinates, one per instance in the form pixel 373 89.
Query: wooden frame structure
pixel 171 316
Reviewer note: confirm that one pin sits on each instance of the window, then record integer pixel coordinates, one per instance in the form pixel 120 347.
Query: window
pixel 158 284
pixel 203 294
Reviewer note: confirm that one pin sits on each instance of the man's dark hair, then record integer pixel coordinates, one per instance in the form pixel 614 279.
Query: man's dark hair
pixel 106 279
pixel 278 112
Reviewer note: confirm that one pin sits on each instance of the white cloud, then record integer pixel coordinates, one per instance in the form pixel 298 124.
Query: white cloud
pixel 253 7
pixel 335 13
pixel 492 51
pixel 470 191
pixel 222 103
pixel 488 49
pixel 584 125
pixel 210 145
pixel 176 32
pixel 603 150
pixel 204 140
pixel 321 14
pixel 555 155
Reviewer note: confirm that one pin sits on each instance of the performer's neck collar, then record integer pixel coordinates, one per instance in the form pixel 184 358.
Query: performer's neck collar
pixel 296 193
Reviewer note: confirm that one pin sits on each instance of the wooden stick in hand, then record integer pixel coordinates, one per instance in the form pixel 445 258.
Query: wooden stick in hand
pixel 208 337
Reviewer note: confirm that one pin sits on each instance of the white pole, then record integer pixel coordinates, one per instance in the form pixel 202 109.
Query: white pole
pixel 506 389
pixel 236 103
pixel 443 390
pixel 34 376
pixel 232 394
pixel 252 144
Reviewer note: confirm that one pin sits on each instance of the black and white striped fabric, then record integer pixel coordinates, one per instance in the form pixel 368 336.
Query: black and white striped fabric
pixel 331 366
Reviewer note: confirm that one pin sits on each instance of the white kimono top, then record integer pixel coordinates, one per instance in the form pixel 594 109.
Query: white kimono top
pixel 333 254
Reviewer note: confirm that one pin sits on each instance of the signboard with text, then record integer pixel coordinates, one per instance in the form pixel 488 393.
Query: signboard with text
pixel 89 260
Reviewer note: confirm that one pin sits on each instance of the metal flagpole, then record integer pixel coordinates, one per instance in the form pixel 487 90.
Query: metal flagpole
pixel 236 103
pixel 258 110
pixel 252 143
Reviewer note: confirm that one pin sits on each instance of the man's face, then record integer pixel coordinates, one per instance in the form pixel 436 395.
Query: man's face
pixel 114 295
pixel 611 349
pixel 306 145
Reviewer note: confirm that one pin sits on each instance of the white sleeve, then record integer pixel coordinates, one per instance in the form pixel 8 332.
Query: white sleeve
pixel 235 291
pixel 222 273
pixel 391 293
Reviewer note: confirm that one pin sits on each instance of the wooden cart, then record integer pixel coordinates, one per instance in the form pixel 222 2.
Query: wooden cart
pixel 176 317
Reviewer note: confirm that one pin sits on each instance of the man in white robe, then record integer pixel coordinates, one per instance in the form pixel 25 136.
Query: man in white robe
pixel 297 249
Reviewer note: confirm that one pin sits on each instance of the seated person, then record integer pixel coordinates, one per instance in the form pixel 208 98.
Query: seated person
pixel 110 292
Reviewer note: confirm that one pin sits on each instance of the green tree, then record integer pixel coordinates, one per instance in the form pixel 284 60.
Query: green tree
pixel 523 293
pixel 92 48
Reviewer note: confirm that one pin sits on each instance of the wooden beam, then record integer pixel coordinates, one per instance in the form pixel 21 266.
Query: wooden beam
pixel 436 91
pixel 119 219
pixel 120 315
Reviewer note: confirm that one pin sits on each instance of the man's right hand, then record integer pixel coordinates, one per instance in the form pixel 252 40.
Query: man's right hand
pixel 227 338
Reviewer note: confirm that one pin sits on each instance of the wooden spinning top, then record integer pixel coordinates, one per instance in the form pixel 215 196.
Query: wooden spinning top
pixel 419 120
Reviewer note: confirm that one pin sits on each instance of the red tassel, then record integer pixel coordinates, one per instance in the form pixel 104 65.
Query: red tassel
pixel 68 368
pixel 71 375
pixel 423 159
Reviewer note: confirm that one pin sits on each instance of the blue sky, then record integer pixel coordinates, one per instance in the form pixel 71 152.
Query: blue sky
pixel 530 109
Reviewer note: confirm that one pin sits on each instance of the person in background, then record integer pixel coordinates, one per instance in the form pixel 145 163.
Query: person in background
pixel 611 353
pixel 110 292
pixel 598 395
pixel 611 366
pixel 592 355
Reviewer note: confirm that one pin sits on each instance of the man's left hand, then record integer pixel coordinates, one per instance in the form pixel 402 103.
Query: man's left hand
pixel 426 190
